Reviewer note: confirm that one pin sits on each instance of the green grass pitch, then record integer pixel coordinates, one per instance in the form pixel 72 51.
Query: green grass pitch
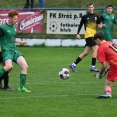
pixel 52 96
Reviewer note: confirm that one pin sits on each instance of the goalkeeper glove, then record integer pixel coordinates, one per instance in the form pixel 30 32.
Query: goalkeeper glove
pixel 98 75
pixel 105 72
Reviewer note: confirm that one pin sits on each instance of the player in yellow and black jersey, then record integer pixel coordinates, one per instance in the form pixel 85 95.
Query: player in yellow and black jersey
pixel 90 22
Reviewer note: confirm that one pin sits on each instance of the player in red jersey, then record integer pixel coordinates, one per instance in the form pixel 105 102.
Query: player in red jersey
pixel 107 52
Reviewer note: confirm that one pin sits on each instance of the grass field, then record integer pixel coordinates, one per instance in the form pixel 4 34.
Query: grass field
pixel 52 96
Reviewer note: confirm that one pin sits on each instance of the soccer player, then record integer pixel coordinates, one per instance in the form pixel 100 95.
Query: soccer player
pixel 90 21
pixel 5 76
pixel 9 52
pixel 107 52
pixel 108 20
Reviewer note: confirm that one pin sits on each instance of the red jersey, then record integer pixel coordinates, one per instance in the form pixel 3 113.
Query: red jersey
pixel 107 52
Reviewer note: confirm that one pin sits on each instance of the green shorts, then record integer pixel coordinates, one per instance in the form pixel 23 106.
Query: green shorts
pixel 108 37
pixel 13 55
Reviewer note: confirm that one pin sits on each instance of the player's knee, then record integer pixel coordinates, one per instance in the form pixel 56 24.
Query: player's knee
pixel 85 54
pixel 9 67
pixel 25 67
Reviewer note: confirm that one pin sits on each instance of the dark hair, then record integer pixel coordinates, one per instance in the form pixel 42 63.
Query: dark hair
pixel 90 3
pixel 109 5
pixel 99 35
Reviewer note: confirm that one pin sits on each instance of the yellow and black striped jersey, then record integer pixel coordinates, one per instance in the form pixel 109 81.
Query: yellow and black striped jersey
pixel 90 22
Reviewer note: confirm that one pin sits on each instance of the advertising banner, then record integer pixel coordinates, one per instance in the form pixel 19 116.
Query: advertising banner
pixel 64 22
pixel 29 21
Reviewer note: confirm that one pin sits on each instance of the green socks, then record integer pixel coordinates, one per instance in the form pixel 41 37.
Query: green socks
pixel 22 80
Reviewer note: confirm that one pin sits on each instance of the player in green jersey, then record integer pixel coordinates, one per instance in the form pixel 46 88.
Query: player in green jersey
pixel 108 20
pixel 9 51
pixel 5 76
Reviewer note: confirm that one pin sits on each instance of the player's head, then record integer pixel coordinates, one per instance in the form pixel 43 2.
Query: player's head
pixel 13 16
pixel 90 7
pixel 109 8
pixel 99 37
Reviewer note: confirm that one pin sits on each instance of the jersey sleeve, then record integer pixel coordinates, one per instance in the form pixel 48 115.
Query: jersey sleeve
pixel 81 24
pixel 98 20
pixel 1 32
pixel 101 18
pixel 115 20
pixel 101 55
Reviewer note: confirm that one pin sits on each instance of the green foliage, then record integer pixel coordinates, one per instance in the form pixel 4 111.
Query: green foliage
pixel 52 96
pixel 57 4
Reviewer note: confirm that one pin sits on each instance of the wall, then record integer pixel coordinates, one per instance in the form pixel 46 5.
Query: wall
pixel 56 42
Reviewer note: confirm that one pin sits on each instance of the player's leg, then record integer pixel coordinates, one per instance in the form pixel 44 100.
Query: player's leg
pixel 32 2
pixel 108 87
pixel 1 78
pixel 8 67
pixel 27 4
pixel 80 57
pixel 24 67
pixel 6 82
pixel 5 77
pixel 94 56
pixel 107 90
pixel 111 78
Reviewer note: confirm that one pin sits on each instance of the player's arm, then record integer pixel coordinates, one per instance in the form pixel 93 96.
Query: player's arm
pixel 1 32
pixel 20 42
pixel 79 28
pixel 102 70
pixel 99 24
pixel 102 19
pixel 115 20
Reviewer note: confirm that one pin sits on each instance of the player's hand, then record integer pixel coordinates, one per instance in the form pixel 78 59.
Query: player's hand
pixel 78 36
pixel 100 26
pixel 104 25
pixel 23 43
pixel 98 75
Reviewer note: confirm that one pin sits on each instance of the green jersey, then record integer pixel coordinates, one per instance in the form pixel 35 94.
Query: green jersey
pixel 7 41
pixel 109 20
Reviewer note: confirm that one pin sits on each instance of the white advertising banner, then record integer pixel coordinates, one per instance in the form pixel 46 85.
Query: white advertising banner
pixel 64 22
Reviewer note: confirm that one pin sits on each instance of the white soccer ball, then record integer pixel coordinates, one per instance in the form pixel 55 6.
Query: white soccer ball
pixel 64 73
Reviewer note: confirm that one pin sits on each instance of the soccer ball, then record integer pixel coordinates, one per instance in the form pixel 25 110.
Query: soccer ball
pixel 64 73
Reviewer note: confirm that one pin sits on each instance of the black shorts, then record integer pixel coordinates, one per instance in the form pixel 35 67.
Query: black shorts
pixel 90 42
pixel 1 60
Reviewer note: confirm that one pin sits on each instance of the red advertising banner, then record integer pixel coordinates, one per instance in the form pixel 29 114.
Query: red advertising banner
pixel 29 21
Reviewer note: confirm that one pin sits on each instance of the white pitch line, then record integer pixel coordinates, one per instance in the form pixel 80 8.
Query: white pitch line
pixel 44 96
pixel 52 96
pixel 63 83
